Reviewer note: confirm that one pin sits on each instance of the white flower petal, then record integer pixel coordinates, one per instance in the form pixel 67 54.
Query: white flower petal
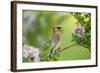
pixel 25 53
pixel 83 29
pixel 36 59
pixel 79 26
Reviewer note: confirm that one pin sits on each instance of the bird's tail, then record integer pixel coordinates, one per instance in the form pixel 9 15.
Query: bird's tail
pixel 51 54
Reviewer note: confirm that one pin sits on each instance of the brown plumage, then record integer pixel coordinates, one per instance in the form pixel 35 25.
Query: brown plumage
pixel 56 39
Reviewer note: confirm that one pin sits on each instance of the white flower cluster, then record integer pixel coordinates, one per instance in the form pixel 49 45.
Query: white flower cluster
pixel 79 30
pixel 30 52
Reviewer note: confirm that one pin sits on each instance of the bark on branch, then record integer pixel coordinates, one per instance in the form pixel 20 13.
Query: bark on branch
pixel 57 51
pixel 66 48
pixel 86 47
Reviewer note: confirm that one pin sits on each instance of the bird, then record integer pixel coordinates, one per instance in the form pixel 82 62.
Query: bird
pixel 55 40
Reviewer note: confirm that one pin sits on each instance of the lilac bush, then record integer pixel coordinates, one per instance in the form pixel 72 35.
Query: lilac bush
pixel 30 52
pixel 79 30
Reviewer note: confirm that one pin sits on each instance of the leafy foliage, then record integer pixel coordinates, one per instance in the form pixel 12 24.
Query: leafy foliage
pixel 85 20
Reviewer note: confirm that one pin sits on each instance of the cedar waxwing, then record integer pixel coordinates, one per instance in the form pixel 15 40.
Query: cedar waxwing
pixel 55 40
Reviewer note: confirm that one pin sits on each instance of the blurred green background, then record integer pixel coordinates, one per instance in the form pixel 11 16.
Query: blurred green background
pixel 38 32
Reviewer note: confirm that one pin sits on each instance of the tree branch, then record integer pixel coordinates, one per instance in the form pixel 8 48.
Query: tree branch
pixel 85 47
pixel 66 47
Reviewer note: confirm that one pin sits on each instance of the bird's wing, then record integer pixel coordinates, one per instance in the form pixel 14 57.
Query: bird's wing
pixel 57 46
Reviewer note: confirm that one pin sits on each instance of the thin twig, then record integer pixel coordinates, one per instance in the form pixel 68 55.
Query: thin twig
pixel 66 47
pixel 85 47
pixel 57 51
